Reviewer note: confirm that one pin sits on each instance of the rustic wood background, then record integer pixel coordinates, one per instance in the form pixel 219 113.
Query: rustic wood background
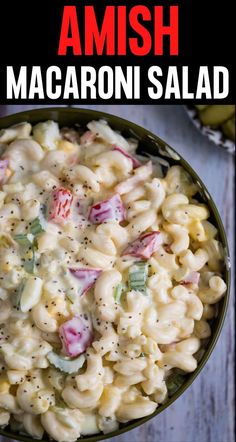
pixel 205 413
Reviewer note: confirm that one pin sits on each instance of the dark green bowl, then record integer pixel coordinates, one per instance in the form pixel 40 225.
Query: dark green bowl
pixel 153 145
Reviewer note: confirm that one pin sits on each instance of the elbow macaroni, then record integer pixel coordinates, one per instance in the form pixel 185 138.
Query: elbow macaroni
pixel 139 339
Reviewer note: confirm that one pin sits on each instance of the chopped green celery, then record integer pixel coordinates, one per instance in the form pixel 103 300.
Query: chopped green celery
pixel 23 240
pixel 118 291
pixel 38 225
pixel 138 275
pixel 66 365
pixel 27 252
pixel 29 260
pixel 174 382
pixel 18 293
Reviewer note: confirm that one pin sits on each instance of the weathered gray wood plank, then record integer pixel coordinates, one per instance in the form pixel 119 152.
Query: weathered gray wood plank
pixel 205 413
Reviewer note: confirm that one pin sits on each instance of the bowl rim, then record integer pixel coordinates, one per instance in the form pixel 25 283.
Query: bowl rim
pixel 50 113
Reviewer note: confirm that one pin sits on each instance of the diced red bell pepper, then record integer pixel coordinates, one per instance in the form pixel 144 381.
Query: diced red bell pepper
pixel 3 168
pixel 111 209
pixel 144 246
pixel 76 336
pixel 136 163
pixel 87 277
pixel 60 205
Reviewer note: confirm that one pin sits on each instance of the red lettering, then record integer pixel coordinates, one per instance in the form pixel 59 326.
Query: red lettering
pixel 171 30
pixel 146 44
pixel 69 25
pixel 97 38
pixel 111 36
pixel 122 31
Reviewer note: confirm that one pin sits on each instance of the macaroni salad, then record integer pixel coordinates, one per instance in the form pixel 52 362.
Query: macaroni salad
pixel 109 275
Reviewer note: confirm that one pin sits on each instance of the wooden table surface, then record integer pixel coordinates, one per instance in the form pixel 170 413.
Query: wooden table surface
pixel 205 412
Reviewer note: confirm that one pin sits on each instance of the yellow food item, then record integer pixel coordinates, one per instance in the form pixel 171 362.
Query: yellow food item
pixel 216 114
pixel 201 107
pixel 229 128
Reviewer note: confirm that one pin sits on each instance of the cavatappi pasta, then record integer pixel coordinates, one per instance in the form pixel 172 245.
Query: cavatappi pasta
pixel 110 273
